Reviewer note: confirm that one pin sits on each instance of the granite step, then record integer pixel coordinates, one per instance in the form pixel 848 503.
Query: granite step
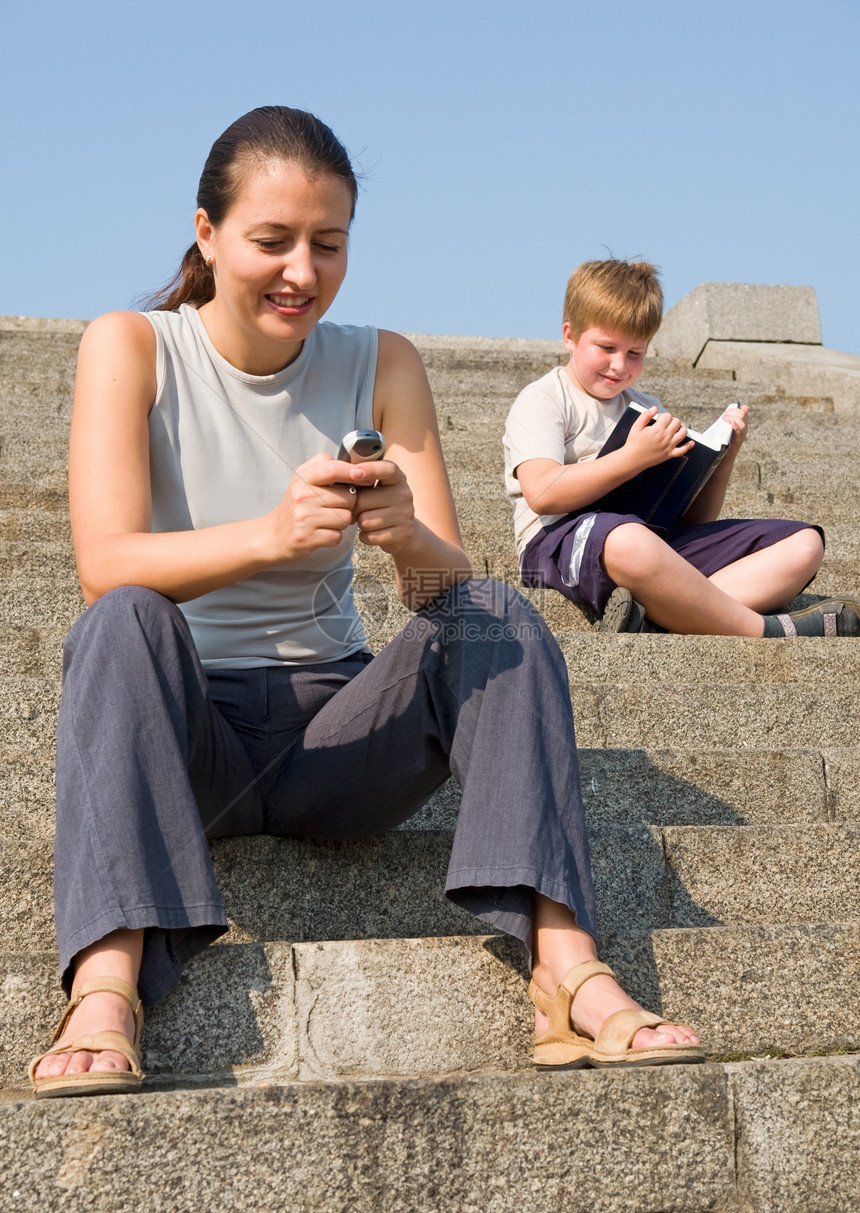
pixel 407 1007
pixel 625 786
pixel 646 877
pixel 734 1138
pixel 632 692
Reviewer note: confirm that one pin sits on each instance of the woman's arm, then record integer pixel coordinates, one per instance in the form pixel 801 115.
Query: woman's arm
pixel 707 505
pixel 410 513
pixel 554 488
pixel 109 486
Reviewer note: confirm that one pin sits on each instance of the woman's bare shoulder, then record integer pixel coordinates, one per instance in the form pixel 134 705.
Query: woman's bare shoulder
pixel 397 350
pixel 117 361
pixel 129 328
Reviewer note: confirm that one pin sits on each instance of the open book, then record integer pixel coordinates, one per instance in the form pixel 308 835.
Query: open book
pixel 662 494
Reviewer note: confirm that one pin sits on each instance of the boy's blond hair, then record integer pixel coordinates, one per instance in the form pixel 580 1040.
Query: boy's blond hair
pixel 615 294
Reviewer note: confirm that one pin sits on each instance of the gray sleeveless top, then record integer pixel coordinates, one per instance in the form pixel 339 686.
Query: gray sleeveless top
pixel 223 447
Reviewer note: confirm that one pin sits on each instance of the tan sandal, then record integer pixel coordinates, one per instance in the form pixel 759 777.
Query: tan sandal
pixel 612 1043
pixel 562 1048
pixel 102 1082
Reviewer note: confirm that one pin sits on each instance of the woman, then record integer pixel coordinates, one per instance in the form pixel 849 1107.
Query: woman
pixel 203 473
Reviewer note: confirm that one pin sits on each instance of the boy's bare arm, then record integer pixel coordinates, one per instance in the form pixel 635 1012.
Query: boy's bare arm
pixel 554 488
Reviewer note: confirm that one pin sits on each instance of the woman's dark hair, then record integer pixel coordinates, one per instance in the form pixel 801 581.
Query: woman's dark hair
pixel 272 132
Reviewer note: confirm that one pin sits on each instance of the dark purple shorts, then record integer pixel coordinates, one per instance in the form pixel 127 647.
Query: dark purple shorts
pixel 708 546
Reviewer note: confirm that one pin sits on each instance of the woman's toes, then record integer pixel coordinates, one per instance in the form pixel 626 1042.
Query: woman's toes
pixel 666 1034
pixel 52 1067
pixel 79 1063
pixel 109 1061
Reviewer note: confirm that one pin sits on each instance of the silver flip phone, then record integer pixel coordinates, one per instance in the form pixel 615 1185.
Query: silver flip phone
pixel 360 446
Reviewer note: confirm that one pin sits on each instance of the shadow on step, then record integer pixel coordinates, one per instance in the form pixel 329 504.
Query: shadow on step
pixel 673 787
pixel 218 1015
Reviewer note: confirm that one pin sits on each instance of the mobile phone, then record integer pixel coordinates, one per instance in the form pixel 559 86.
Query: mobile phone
pixel 360 446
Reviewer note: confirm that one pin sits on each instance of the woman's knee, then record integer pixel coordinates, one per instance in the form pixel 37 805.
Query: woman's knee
pixel 496 599
pixel 121 614
pixel 482 609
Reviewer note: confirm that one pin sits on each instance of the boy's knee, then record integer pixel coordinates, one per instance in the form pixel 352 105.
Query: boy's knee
pixel 811 545
pixel 626 548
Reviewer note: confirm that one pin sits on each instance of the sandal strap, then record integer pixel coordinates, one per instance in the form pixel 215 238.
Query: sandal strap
pixel 104 985
pixel 95 1042
pixel 557 1008
pixel 619 1029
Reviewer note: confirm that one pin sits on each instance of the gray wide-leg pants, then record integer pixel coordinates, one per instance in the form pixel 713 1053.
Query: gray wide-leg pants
pixel 155 755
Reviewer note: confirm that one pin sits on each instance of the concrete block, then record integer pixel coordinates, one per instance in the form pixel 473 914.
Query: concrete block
pixel 667 660
pixel 621 786
pixel 34 517
pixel 765 874
pixel 798 1134
pixel 735 311
pixel 842 774
pixel 28 713
pixel 26 796
pixel 802 370
pixel 441 1005
pixel 709 787
pixel 42 325
pixel 26 896
pixel 290 889
pixel 673 787
pixel 235 1006
pixel 697 717
pixel 750 989
pixel 395 1007
pixel 463 1145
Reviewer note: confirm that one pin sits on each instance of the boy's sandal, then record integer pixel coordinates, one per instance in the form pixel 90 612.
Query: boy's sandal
pixel 560 1047
pixel 840 617
pixel 100 1082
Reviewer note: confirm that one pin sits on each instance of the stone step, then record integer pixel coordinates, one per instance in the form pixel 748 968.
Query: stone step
pixel 648 787
pixel 401 1007
pixel 694 693
pixel 735 1138
pixel 646 878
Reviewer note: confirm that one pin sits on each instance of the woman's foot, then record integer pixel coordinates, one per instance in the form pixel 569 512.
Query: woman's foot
pixel 115 958
pixel 597 999
pixel 98 1012
pixel 559 946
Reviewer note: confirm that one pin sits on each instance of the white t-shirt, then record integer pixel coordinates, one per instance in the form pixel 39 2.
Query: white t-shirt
pixel 553 419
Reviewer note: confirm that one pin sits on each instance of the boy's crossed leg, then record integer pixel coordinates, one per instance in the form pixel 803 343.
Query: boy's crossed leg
pixel 677 597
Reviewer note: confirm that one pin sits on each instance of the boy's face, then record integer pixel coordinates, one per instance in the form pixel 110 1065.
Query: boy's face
pixel 603 362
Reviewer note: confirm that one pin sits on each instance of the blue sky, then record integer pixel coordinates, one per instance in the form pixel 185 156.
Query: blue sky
pixel 501 145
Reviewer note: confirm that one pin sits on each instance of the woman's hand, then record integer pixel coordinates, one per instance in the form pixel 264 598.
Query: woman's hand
pixel 385 511
pixel 316 509
pixel 650 444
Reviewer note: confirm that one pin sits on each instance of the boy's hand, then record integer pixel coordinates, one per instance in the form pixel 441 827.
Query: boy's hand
pixel 653 444
pixel 736 416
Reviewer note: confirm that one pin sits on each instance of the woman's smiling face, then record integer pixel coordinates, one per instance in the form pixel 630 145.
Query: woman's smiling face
pixel 279 258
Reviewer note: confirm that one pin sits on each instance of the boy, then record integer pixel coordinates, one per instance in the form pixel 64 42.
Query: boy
pixel 703 576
